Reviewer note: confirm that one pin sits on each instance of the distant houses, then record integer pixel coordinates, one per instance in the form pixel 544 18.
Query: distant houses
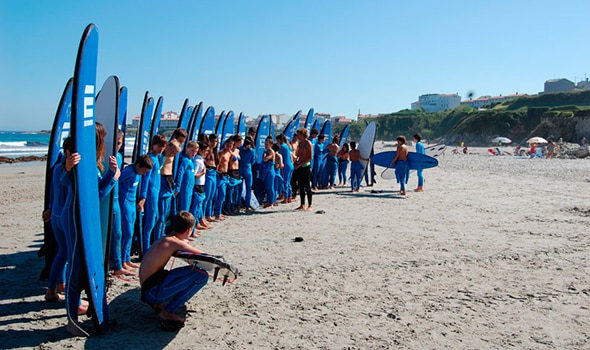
pixel 483 101
pixel 437 102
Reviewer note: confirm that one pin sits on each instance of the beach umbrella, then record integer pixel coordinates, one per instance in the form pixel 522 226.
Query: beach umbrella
pixel 501 139
pixel 536 139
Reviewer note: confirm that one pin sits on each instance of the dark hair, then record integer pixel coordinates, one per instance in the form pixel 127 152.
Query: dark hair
pixel 212 137
pixel 321 137
pixel 314 131
pixel 401 138
pixel 417 136
pixel 282 138
pixel 101 150
pixel 352 145
pixel 144 161
pixel 159 140
pixel 276 147
pixel 179 132
pixel 202 145
pixel 237 138
pixel 247 142
pixel 251 130
pixel 182 222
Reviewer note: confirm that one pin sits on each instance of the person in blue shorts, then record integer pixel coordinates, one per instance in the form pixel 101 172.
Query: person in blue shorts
pixel 168 290
pixel 420 150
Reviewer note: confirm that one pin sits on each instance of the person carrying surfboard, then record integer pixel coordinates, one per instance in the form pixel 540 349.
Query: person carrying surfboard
pixel 168 290
pixel 402 170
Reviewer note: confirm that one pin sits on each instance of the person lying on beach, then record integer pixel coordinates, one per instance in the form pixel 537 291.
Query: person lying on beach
pixel 168 290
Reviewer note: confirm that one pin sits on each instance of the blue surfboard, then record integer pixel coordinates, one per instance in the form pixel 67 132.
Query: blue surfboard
pixel 229 128
pixel 142 136
pixel 156 118
pixel 327 130
pixel 241 126
pixel 344 135
pixel 183 115
pixel 309 119
pixel 292 126
pixel 315 125
pixel 219 126
pixel 261 135
pixel 415 160
pixel 59 131
pixel 271 131
pixel 87 210
pixel 195 122
pixel 123 96
pixel 208 123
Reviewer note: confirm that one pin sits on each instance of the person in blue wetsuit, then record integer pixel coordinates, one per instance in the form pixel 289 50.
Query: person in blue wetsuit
pixel 52 214
pixel 211 178
pixel 186 177
pixel 318 162
pixel 233 197
pixel 331 167
pixel 167 187
pixel 343 161
pixel 267 173
pixel 356 168
pixel 223 177
pixel 150 191
pixel 420 150
pixel 116 264
pixel 402 169
pixel 128 185
pixel 168 290
pixel 287 172
pixel 278 168
pixel 247 158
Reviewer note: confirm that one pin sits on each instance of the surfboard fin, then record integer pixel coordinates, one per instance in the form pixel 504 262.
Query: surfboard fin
pixel 225 278
pixel 216 273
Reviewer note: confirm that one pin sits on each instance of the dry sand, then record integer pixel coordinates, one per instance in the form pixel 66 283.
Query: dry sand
pixel 493 255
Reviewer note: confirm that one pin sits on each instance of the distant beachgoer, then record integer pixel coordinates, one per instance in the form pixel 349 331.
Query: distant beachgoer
pixel 420 150
pixel 550 149
pixel 402 170
pixel 465 150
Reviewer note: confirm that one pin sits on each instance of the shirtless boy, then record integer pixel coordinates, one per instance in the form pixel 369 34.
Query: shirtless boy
pixel 402 169
pixel 302 170
pixel 166 290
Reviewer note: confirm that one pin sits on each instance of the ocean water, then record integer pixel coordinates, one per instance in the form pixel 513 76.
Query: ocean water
pixel 14 144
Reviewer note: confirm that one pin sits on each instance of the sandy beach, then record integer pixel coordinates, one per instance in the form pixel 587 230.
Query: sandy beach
pixel 494 254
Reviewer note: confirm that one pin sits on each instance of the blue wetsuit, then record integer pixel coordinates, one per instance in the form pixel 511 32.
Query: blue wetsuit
pixel 222 184
pixel 287 171
pixel 247 158
pixel 164 205
pixel 128 184
pixel 210 191
pixel 267 175
pixel 150 190
pixel 317 164
pixel 116 232
pixel 402 173
pixel 420 149
pixel 342 167
pixel 56 204
pixel 356 173
pixel 331 170
pixel 186 183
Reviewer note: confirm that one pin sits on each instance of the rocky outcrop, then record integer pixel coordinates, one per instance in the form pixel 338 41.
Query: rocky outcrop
pixel 4 160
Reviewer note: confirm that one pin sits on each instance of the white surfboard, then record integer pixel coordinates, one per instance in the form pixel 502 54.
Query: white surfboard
pixel 365 145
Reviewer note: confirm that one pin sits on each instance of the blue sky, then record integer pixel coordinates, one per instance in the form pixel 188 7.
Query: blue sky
pixel 278 56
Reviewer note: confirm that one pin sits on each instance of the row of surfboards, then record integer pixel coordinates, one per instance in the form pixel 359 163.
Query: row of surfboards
pixel 81 106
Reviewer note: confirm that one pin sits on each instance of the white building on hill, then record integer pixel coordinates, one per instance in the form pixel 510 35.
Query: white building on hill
pixel 437 102
pixel 488 100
